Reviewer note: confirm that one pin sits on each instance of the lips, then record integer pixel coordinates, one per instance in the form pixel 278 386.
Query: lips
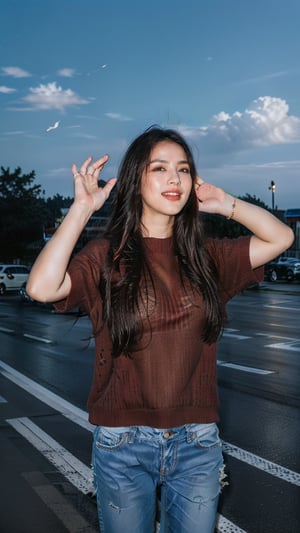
pixel 172 195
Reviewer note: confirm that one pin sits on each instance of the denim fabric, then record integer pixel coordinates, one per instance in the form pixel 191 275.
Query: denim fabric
pixel 133 465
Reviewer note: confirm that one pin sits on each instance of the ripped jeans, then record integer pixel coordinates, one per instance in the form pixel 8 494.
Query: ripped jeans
pixel 137 467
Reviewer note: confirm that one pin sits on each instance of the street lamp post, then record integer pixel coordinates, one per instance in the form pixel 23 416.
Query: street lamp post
pixel 272 188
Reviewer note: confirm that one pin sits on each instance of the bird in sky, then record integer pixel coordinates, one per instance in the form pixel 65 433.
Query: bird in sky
pixel 55 125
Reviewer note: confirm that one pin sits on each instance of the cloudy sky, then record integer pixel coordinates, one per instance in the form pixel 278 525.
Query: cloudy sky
pixel 226 73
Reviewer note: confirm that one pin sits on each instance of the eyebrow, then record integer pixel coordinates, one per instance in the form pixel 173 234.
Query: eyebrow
pixel 184 161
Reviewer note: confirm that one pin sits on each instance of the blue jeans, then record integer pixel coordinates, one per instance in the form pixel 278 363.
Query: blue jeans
pixel 133 465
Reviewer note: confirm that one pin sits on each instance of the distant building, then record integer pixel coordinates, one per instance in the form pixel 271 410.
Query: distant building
pixel 292 218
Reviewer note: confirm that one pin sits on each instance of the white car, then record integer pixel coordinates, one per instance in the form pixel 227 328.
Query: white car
pixel 12 277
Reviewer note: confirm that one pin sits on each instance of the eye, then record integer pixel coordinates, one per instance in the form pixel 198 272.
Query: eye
pixel 185 170
pixel 158 169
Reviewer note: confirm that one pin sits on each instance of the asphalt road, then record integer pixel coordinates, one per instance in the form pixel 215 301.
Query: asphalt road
pixel 46 363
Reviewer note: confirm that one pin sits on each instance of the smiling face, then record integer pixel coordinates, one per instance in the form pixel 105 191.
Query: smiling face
pixel 165 185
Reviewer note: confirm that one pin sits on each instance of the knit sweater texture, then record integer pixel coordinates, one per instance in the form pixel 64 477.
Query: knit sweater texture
pixel 170 379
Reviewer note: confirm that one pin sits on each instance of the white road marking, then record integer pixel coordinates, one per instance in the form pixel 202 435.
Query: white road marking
pixel 243 368
pixel 274 325
pixel 232 333
pixel 274 336
pixel 7 330
pixel 291 344
pixel 64 407
pixel 292 347
pixel 282 307
pixel 35 338
pixel 79 417
pixel 225 526
pixel 267 466
pixel 2 400
pixel 73 469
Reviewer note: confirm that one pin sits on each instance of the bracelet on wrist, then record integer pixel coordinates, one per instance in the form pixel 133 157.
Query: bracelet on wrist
pixel 232 209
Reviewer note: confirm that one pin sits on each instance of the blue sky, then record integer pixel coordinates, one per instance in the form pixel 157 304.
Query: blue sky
pixel 226 73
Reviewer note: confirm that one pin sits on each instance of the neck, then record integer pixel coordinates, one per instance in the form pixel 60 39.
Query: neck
pixel 159 231
pixel 159 227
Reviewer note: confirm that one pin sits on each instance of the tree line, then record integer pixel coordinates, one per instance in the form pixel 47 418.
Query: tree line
pixel 26 216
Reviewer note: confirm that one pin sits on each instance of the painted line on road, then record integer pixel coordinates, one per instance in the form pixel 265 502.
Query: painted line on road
pixel 291 344
pixel 74 470
pixel 27 335
pixel 274 336
pixel 243 368
pixel 292 347
pixel 262 464
pixel 64 407
pixel 2 400
pixel 80 417
pixel 231 333
pixel 7 330
pixel 281 307
pixel 35 338
pixel 224 525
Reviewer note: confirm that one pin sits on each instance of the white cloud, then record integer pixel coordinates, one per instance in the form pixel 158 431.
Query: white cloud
pixel 61 171
pixel 266 77
pixel 16 72
pixel 51 96
pixel 86 136
pixel 66 72
pixel 274 165
pixel 118 116
pixel 17 132
pixel 265 122
pixel 6 90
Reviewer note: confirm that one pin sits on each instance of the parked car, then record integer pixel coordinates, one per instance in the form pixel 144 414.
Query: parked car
pixel 12 277
pixel 283 268
pixel 24 295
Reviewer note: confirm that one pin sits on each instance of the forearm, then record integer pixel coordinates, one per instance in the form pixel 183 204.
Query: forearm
pixel 48 280
pixel 270 238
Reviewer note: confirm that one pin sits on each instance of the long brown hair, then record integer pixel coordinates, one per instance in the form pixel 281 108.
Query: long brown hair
pixel 121 291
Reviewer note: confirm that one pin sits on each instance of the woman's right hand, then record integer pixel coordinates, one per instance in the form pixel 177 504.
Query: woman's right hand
pixel 86 189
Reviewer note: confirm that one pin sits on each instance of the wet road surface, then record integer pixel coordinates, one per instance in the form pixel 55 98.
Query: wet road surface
pixel 46 365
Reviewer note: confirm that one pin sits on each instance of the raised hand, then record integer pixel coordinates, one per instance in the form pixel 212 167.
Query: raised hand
pixel 211 199
pixel 86 188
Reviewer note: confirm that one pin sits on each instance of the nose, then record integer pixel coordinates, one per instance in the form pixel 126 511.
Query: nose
pixel 174 177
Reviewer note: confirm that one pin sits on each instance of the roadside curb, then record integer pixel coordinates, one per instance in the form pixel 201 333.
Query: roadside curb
pixel 284 290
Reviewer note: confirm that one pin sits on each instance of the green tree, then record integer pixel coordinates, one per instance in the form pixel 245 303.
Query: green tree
pixel 54 205
pixel 22 213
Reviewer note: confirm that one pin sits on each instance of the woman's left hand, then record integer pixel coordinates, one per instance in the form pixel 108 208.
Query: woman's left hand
pixel 212 199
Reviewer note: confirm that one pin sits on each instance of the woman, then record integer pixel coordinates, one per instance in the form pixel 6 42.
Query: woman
pixel 155 290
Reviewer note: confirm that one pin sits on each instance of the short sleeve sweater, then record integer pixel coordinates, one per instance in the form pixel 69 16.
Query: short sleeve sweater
pixel 170 379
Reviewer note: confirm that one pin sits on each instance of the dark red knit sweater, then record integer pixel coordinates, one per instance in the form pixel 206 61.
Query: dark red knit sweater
pixel 171 380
